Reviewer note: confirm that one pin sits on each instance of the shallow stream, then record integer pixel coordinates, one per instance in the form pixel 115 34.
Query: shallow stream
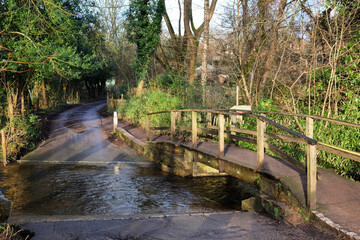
pixel 115 189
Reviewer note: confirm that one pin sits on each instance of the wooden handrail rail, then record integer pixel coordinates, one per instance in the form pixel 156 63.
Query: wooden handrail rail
pixel 265 119
pixel 288 130
pixel 226 111
pixel 340 122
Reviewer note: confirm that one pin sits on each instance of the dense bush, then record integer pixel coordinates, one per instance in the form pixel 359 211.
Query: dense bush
pixel 192 96
pixel 27 132
pixel 135 109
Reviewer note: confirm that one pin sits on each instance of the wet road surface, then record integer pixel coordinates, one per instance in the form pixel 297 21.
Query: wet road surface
pixel 76 136
pixel 77 172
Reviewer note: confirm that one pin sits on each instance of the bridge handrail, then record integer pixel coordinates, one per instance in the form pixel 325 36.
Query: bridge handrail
pixel 322 146
pixel 265 119
pixel 340 122
pixel 311 144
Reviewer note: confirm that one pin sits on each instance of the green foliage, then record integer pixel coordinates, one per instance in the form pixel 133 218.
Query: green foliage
pixel 143 28
pixel 116 91
pixel 266 105
pixel 169 82
pixel 217 97
pixel 340 136
pixel 28 131
pixel 344 101
pixel 135 109
pixel 66 48
pixel 52 44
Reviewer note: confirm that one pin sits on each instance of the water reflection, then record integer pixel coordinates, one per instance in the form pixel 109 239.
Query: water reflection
pixel 114 189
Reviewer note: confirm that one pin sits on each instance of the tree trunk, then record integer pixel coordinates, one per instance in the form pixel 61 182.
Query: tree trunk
pixel 186 47
pixel 11 112
pixel 204 70
pixel 273 46
pixel 44 95
pixel 190 41
pixel 22 103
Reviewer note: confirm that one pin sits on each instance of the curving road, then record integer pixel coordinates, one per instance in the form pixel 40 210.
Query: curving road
pixel 76 136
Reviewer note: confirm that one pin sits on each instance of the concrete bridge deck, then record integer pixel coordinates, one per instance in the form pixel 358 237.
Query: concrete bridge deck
pixel 338 198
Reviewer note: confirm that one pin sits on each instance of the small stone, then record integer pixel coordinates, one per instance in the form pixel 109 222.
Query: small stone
pixel 357 237
pixel 323 219
pixel 320 215
pixel 351 234
pixel 252 204
pixel 329 222
pixel 337 227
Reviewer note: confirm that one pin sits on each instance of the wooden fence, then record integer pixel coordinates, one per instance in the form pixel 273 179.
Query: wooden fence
pixel 3 146
pixel 321 145
pixel 261 136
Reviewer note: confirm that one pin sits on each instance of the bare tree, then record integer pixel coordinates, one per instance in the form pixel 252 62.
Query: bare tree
pixel 119 51
pixel 185 48
pixel 205 42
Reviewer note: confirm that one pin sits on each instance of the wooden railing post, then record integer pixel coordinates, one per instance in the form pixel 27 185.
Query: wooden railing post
pixel 233 119
pixel 264 115
pixel 147 127
pixel 237 94
pixel 115 120
pixel 311 165
pixel 260 144
pixel 3 143
pixel 208 119
pixel 241 120
pixel 194 129
pixel 173 124
pixel 221 135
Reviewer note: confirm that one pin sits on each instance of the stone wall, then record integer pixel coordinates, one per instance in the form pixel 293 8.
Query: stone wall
pixel 179 159
pixel 171 157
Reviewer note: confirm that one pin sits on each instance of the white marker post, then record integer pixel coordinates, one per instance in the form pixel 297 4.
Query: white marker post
pixel 115 120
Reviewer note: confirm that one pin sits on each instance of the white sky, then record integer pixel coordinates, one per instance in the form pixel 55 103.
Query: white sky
pixel 198 12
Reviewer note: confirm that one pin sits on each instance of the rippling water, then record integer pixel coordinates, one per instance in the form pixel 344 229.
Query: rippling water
pixel 121 189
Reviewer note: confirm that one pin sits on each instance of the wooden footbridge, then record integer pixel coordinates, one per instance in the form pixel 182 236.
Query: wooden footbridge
pixel 226 125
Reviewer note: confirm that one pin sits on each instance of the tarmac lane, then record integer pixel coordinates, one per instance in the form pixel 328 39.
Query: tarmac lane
pixel 209 226
pixel 76 136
